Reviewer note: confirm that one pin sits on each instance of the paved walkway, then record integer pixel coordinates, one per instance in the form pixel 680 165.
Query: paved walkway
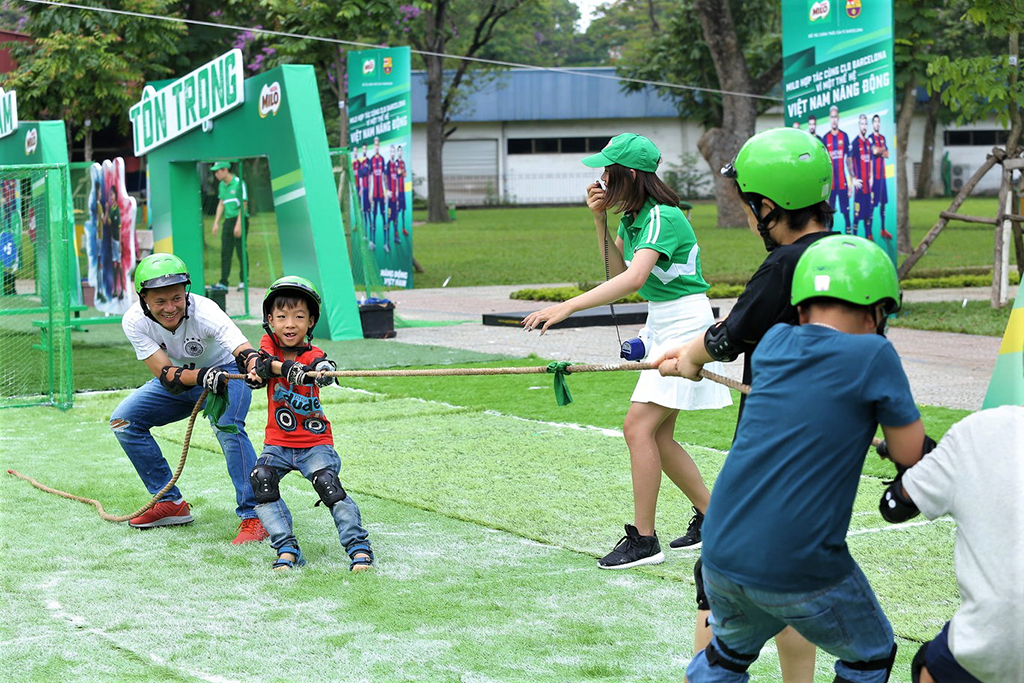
pixel 945 369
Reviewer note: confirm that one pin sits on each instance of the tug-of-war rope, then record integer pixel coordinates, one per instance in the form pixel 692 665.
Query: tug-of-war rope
pixel 559 369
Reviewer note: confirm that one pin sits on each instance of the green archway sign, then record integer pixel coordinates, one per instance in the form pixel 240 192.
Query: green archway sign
pixel 215 114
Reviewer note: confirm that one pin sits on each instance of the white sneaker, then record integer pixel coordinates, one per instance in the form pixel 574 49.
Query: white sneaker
pixel 241 286
pixel 387 250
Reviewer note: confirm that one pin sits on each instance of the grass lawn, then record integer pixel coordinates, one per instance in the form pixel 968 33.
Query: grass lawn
pixel 971 317
pixel 486 514
pixel 537 245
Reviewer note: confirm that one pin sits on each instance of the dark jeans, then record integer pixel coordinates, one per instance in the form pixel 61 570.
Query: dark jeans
pixel 229 244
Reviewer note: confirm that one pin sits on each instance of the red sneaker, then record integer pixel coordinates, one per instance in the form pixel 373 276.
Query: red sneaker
pixel 250 530
pixel 164 513
pixel 886 234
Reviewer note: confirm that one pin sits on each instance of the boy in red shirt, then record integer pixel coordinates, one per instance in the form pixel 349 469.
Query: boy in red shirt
pixel 298 435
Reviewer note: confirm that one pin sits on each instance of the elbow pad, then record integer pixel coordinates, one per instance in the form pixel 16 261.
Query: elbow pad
pixel 170 378
pixel 718 345
pixel 895 506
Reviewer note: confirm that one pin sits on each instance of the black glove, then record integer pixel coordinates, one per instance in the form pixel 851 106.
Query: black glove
pixel 324 366
pixel 264 365
pixel 295 372
pixel 883 452
pixel 213 380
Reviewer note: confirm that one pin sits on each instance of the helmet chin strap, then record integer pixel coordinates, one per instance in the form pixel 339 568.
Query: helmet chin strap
pixel 763 224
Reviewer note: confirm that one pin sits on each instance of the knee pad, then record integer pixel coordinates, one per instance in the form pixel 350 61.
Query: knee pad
pixel 328 487
pixel 698 577
pixel 885 664
pixel 716 657
pixel 265 480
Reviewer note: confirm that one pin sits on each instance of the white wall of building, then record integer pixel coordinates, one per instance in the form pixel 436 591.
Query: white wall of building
pixel 476 178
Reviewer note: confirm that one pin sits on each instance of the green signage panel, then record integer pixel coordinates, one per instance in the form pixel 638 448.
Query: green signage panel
pixel 839 86
pixel 380 137
pixel 281 120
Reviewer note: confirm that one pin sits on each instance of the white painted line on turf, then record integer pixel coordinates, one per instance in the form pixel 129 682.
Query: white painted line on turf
pixel 891 527
pixel 80 623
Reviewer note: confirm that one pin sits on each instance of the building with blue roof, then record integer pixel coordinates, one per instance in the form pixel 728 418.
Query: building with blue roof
pixel 520 137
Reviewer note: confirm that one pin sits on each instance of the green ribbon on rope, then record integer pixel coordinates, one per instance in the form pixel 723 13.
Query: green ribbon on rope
pixel 215 408
pixel 558 369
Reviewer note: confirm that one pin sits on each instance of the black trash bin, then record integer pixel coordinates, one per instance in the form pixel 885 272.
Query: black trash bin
pixel 378 318
pixel 218 294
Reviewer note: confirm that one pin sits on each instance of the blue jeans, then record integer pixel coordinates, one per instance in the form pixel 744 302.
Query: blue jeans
pixel 844 619
pixel 276 518
pixel 941 663
pixel 151 405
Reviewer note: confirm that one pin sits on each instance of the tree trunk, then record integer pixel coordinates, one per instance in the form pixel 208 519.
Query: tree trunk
pixel 435 21
pixel 719 145
pixel 340 75
pixel 715 145
pixel 903 119
pixel 1015 118
pixel 437 209
pixel 924 178
pixel 88 143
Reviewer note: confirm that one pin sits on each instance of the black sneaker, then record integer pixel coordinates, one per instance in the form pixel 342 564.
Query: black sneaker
pixel 691 539
pixel 633 550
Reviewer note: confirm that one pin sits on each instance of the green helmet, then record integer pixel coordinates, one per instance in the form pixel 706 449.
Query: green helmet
pixel 786 165
pixel 160 270
pixel 848 268
pixel 292 285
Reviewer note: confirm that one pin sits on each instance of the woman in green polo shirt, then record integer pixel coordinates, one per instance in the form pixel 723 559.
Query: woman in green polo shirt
pixel 655 254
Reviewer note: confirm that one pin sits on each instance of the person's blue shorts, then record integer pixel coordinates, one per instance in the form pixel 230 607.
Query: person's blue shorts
pixel 941 663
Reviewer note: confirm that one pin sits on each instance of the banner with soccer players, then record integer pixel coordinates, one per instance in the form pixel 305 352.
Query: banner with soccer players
pixel 839 86
pixel 380 133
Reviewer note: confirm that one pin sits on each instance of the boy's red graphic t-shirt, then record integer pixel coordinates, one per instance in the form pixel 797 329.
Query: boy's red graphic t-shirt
pixel 296 419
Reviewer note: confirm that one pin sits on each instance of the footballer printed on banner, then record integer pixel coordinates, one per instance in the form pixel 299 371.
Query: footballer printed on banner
pixel 270 99
pixel 31 140
pixel 819 10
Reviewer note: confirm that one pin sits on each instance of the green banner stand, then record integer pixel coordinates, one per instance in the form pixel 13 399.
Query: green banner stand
pixel 281 120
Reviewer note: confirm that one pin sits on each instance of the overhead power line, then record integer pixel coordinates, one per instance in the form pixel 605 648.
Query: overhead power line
pixel 353 43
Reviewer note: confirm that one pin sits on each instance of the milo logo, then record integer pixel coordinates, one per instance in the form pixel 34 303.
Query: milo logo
pixel 31 140
pixel 270 99
pixel 819 10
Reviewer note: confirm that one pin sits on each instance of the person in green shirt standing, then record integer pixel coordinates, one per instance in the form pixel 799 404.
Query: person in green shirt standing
pixel 656 254
pixel 232 206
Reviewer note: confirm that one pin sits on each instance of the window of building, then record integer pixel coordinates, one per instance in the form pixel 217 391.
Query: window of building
pixel 556 145
pixel 977 138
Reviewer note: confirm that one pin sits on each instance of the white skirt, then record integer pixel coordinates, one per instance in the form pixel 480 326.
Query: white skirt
pixel 671 324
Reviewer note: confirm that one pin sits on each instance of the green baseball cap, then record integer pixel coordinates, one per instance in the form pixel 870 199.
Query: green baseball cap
pixel 629 150
pixel 221 165
pixel 848 268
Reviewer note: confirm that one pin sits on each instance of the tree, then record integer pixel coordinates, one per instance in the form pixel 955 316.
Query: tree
pixel 449 26
pixel 703 42
pixel 982 87
pixel 88 67
pixel 355 20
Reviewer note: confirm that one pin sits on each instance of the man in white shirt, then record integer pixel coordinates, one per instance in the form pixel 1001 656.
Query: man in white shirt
pixel 976 476
pixel 189 344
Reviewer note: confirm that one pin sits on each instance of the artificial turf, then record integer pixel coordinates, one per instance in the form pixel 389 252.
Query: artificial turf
pixel 486 527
